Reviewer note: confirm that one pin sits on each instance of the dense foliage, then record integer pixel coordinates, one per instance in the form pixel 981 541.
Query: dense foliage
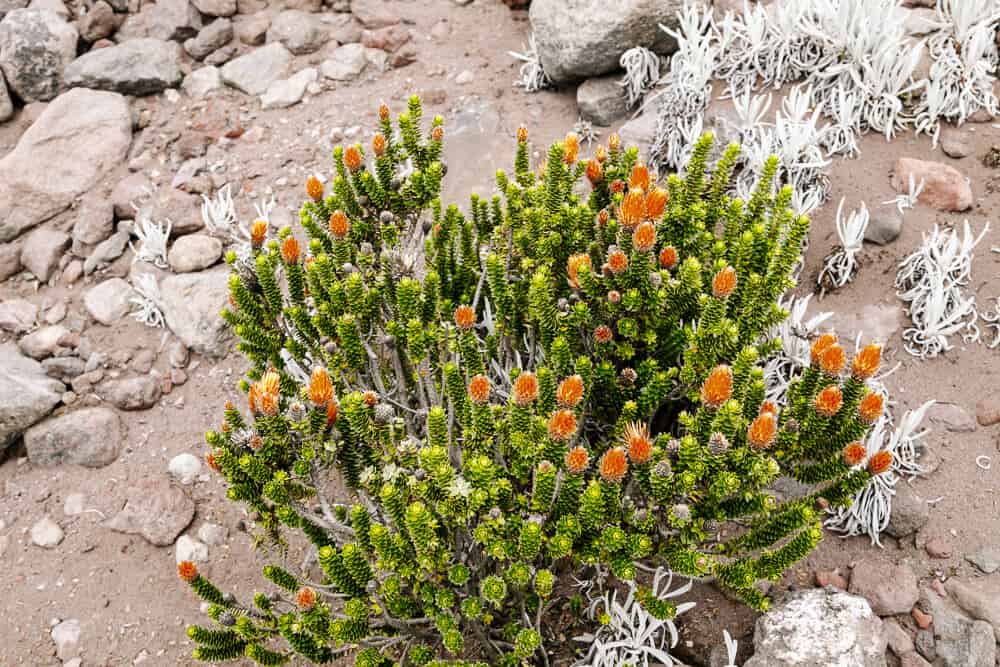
pixel 566 381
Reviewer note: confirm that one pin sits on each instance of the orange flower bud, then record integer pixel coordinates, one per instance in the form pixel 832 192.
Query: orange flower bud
pixel 724 283
pixel 479 389
pixel 829 401
pixel 211 462
pixel 668 257
pixel 269 405
pixel 870 408
pixel 378 144
pixel 258 232
pixel 718 387
pixel 562 425
pixel 832 359
pixel 340 226
pixel 632 209
pixel 525 388
pixel 306 598
pixel 465 317
pixel 600 154
pixel 854 454
pixel 522 134
pixel 570 391
pixel 762 430
pixel 613 465
pixel 769 406
pixel 187 571
pixel 617 261
pixel 383 112
pixel 572 146
pixel 314 188
pixel 370 398
pixel 595 173
pixel 639 179
pixel 320 387
pixel 573 265
pixel 880 462
pixel 617 186
pixel 290 250
pixel 614 141
pixel 866 362
pixel 577 460
pixel 823 342
pixel 656 203
pixel 603 334
pixel 637 442
pixel 331 413
pixel 602 217
pixel 437 133
pixel 644 237
pixel 270 382
pixel 353 158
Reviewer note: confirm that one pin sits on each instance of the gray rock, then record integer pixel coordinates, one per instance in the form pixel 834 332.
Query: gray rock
pixel 109 301
pixel 28 192
pixel 986 559
pixel 255 71
pixel 10 259
pixel 174 20
pixel 979 597
pixel 956 142
pixel 132 190
pixel 143 361
pixel 95 222
pixel 889 588
pixel 137 393
pixel 203 81
pixel 213 534
pixel 54 6
pixel 601 100
pixel 188 172
pixel 909 512
pixel 42 343
pixel 194 252
pixel 373 13
pixel 899 639
pixel 177 354
pixel 344 29
pixel 253 30
pixel 36 45
pixel 90 437
pixel 66 637
pixel 184 468
pixel 221 56
pixel 300 32
pixel 6 104
pixel 884 226
pixel 345 63
pixel 958 640
pixel 106 251
pixel 578 39
pixel 188 548
pixel 215 7
pixel 98 23
pixel 191 303
pixel 954 418
pixel 137 67
pixel 214 36
pixel 42 250
pixel 288 92
pixel 64 368
pixel 46 533
pixel 819 627
pixel 7 6
pixel 17 315
pixel 639 131
pixel 27 394
pixel 155 509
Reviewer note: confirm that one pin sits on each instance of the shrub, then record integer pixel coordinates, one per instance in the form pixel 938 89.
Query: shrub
pixel 567 384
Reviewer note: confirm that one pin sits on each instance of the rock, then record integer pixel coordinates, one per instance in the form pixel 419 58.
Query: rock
pixel 10 259
pixel 388 39
pixel 213 534
pixel 945 188
pixel 819 627
pixel 64 368
pixel 174 20
pixel 287 92
pixel 639 132
pixel 137 393
pixel 986 559
pixel 95 222
pixel 345 63
pixel 155 509
pixel 958 640
pixel 184 468
pixel 465 77
pixel 17 315
pixel 255 71
pixel 988 411
pixel 137 67
pixel 46 533
pixel 42 250
pixel 66 637
pixel 215 7
pixel 912 659
pixel 898 638
pixel 579 39
pixel 954 418
pixel 27 394
pixel 129 193
pixel 143 361
pixel 253 31
pixel 202 82
pixel 109 301
pixel 298 31
pixel 28 192
pixel 938 547
pixel 191 303
pixel 99 22
pixel 833 578
pixel 979 597
pixel 889 588
pixel 373 13
pixel 884 226
pixel 36 45
pixel 956 142
pixel 344 29
pixel 194 252
pixel 7 6
pixel 90 437
pixel 378 59
pixel 42 343
pixel 922 620
pixel 106 251
pixel 6 104
pixel 74 504
pixel 190 549
pixel 601 100
pixel 221 56
pixel 188 172
pixel 177 354
pixel 909 512
pixel 214 36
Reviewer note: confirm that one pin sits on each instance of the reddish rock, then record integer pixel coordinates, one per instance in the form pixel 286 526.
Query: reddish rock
pixel 833 578
pixel 937 547
pixel 890 588
pixel 388 39
pixel 945 188
pixel 922 620
pixel 988 412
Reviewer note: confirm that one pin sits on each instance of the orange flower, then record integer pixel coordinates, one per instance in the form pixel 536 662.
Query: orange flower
pixel 617 261
pixel 854 454
pixel 383 112
pixel 269 405
pixel 632 209
pixel 340 226
pixel 668 257
pixel 378 144
pixel 638 443
pixel 880 462
pixel 613 465
pixel 768 406
pixel 656 202
pixel 306 598
pixel 253 397
pixel 829 401
pixel 572 144
pixel 718 386
pixel 256 442
pixel 614 141
pixel 187 571
pixel 595 173
pixel 522 134
pixel 870 408
pixel 320 387
pixel 832 359
pixel 600 154
pixel 465 317
pixel 573 265
pixel 270 382
pixel 331 413
pixel 437 133
pixel 644 237
pixel 258 232
pixel 570 391
pixel 290 250
pixel 639 178
pixel 617 186
pixel 866 362
pixel 762 430
pixel 603 334
pixel 211 462
pixel 314 188
pixel 602 217
pixel 562 425
pixel 724 283
pixel 525 388
pixel 370 398
pixel 577 460
pixel 352 158
pixel 479 389
pixel 823 342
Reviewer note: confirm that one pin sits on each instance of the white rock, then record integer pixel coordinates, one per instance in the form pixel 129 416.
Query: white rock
pixel 135 67
pixel 184 468
pixel 191 549
pixel 345 63
pixel 110 301
pixel 191 303
pixel 203 81
pixel 464 77
pixel 46 533
pixel 213 534
pixel 194 252
pixel 288 92
pixel 43 342
pixel 254 72
pixel 27 394
pixel 66 636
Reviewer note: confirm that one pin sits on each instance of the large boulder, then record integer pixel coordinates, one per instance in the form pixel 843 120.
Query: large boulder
pixel 6 104
pixel 136 67
pixel 89 437
pixel 80 137
pixel 27 394
pixel 578 39
pixel 300 32
pixel 254 72
pixel 945 188
pixel 191 303
pixel 819 626
pixel 35 47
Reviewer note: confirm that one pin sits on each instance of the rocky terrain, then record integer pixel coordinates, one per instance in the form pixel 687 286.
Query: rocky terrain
pixel 116 115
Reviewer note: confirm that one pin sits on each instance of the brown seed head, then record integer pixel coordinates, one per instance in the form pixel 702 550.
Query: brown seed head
pixel 718 387
pixel 724 283
pixel 570 391
pixel 613 465
pixel 525 388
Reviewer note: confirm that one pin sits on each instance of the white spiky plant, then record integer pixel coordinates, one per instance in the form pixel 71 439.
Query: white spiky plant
pixel 841 264
pixel 531 76
pixel 153 238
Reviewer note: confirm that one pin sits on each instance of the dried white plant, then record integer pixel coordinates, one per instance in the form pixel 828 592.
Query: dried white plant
pixel 264 207
pixel 148 302
pixel 909 198
pixel 732 647
pixel 531 76
pixel 585 131
pixel 991 320
pixel 841 264
pixel 153 237
pixel 642 70
pixel 219 215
